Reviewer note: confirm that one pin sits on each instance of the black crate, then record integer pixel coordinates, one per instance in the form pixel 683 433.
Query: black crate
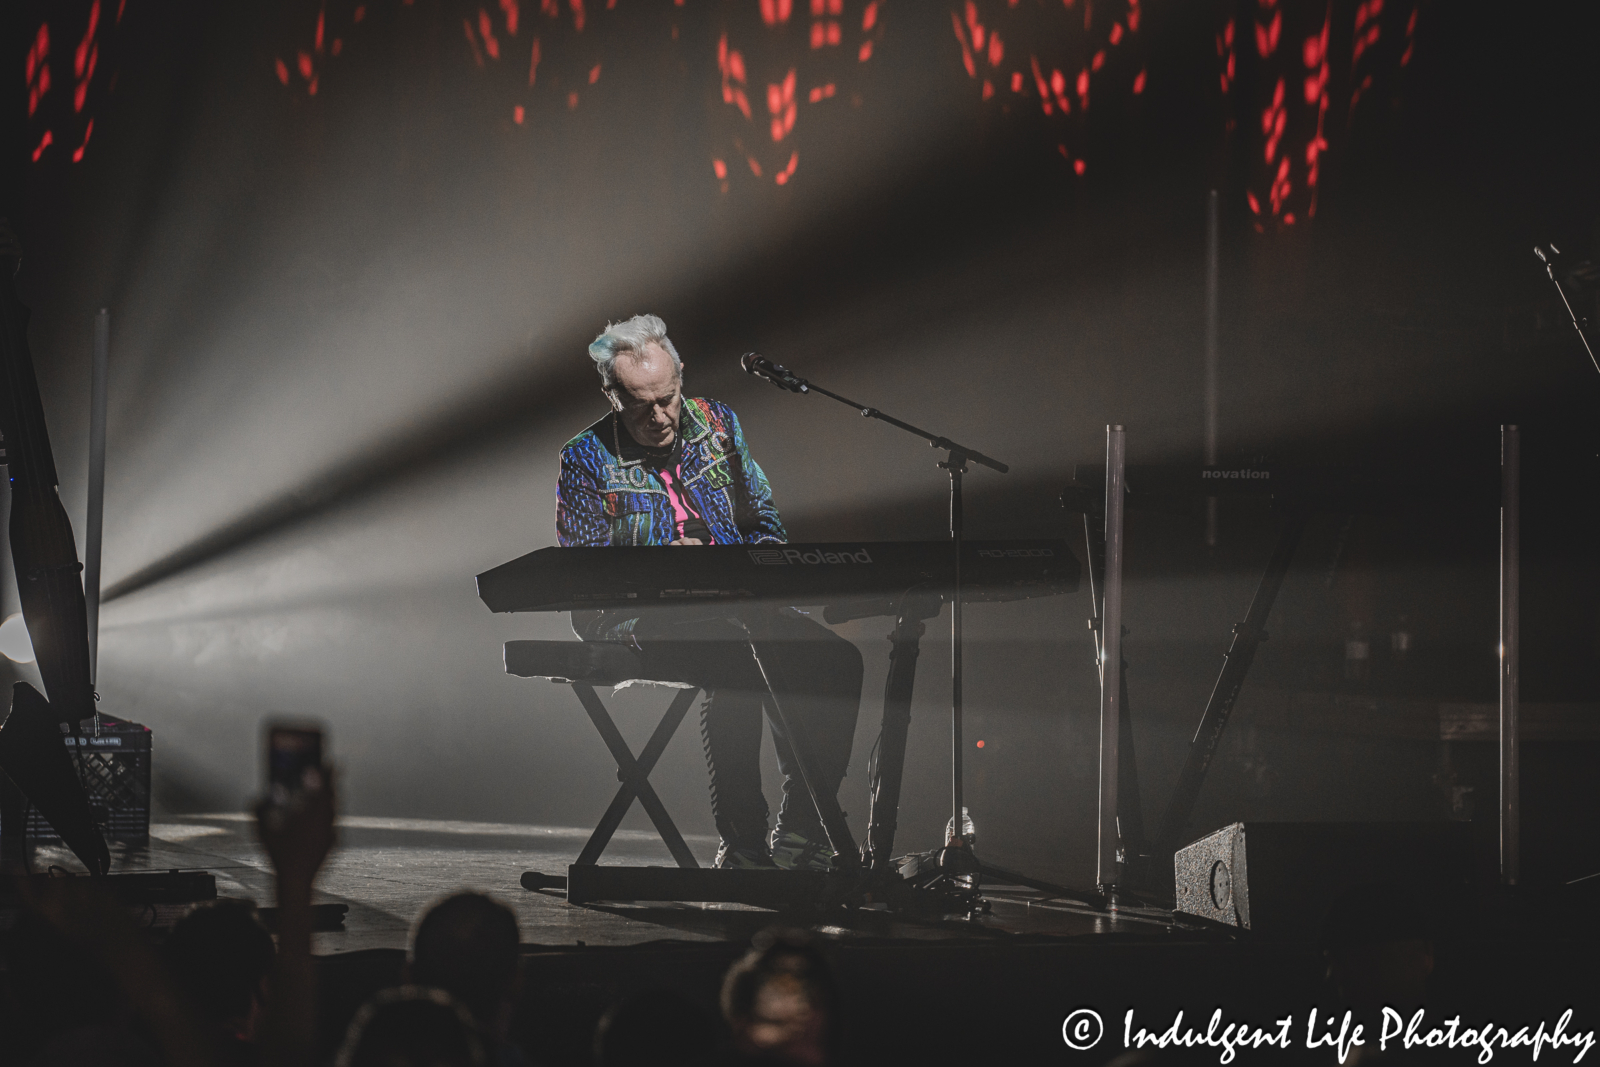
pixel 116 771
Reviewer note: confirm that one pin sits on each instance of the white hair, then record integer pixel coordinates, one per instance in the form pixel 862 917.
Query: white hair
pixel 630 337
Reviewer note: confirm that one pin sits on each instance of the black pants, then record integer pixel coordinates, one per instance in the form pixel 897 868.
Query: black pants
pixel 817 677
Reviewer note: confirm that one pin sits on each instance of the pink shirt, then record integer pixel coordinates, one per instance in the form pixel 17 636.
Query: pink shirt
pixel 673 479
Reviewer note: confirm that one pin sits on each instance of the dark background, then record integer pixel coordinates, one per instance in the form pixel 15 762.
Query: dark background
pixel 348 336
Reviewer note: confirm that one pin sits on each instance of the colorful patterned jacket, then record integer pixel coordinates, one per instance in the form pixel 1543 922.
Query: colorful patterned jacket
pixel 603 499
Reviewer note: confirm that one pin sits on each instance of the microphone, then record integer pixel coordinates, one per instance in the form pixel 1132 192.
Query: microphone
pixel 776 373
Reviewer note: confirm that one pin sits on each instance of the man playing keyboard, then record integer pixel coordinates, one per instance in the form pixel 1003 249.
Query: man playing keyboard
pixel 663 469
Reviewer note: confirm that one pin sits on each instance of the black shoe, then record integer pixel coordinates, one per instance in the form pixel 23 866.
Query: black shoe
pixel 797 852
pixel 743 859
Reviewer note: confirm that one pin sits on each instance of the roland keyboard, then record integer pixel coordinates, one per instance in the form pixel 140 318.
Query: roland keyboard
pixel 564 579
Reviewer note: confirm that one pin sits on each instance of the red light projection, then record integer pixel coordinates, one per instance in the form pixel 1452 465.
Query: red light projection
pixel 1225 52
pixel 1050 54
pixel 558 40
pixel 775 59
pixel 77 153
pixel 1374 46
pixel 497 37
pixel 38 68
pixel 84 27
pixel 84 61
pixel 780 101
pixel 789 70
pixel 1292 100
pixel 786 68
pixel 303 70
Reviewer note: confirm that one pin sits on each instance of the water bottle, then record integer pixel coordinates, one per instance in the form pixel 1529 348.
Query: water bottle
pixel 969 833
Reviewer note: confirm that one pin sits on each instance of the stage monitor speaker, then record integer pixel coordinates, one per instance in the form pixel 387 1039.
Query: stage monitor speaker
pixel 1279 879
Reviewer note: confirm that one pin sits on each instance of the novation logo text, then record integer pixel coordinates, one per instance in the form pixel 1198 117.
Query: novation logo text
pixel 770 556
pixel 1244 474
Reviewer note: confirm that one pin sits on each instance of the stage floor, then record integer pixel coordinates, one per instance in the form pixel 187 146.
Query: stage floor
pixel 1011 978
pixel 387 871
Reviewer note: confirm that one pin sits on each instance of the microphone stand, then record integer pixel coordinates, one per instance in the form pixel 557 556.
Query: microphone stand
pixel 955 858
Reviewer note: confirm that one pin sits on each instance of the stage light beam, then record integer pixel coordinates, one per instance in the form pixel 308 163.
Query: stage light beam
pixel 15 644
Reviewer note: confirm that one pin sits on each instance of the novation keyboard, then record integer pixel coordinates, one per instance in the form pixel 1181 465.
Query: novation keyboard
pixel 565 579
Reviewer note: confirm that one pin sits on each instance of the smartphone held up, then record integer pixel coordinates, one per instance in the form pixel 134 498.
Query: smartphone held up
pixel 294 764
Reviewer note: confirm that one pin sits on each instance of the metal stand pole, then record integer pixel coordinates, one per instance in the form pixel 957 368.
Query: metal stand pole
pixel 95 520
pixel 1247 638
pixel 1213 284
pixel 1135 847
pixel 1510 652
pixel 883 818
pixel 846 852
pixel 957 466
pixel 1106 874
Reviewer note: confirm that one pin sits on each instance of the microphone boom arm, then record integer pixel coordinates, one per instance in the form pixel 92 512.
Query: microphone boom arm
pixel 784 378
pixel 1550 269
pixel 934 440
